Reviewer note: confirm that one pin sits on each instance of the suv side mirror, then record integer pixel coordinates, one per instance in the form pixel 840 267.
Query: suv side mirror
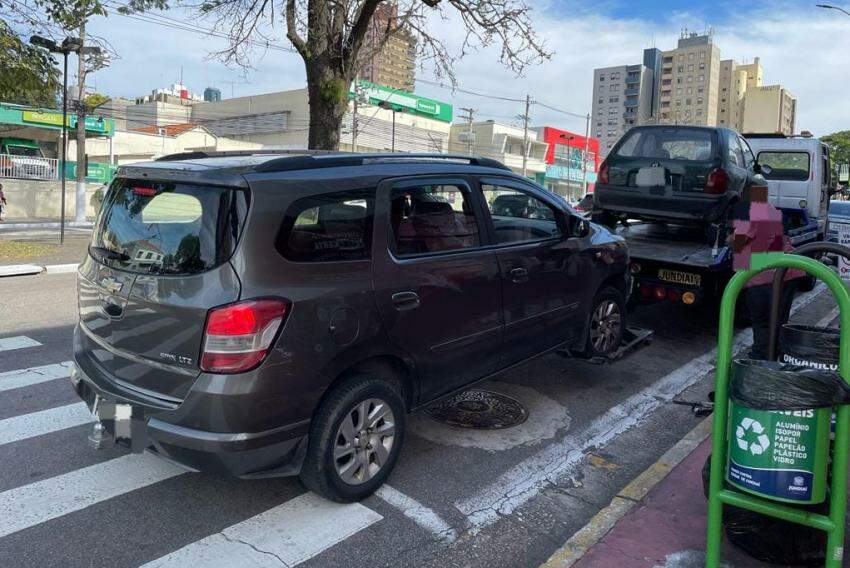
pixel 578 227
pixel 762 169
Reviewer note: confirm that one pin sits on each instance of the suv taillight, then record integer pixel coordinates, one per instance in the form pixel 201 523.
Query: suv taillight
pixel 238 336
pixel 717 181
pixel 603 173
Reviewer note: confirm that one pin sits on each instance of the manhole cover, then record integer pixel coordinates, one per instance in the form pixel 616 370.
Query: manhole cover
pixel 479 409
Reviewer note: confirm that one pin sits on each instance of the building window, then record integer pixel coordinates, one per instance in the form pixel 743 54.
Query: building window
pixel 699 100
pixel 690 56
pixel 702 55
pixel 688 102
pixel 702 65
pixel 691 68
pixel 690 78
pixel 602 77
pixel 700 89
pixel 680 68
pixel 601 101
pixel 614 100
pixel 689 91
pixel 679 90
pixel 681 57
pixel 701 78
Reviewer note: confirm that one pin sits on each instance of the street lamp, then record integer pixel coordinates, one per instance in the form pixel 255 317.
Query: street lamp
pixel 831 7
pixel 68 45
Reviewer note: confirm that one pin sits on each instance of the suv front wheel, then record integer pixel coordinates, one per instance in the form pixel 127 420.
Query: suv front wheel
pixel 354 440
pixel 607 323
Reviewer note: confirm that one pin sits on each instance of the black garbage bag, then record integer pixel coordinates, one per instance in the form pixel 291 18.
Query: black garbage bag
pixel 809 346
pixel 770 539
pixel 769 385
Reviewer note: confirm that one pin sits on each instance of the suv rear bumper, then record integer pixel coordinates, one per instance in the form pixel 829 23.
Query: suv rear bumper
pixel 267 453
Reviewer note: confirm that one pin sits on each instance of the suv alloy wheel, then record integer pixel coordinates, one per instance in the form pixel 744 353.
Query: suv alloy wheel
pixel 354 439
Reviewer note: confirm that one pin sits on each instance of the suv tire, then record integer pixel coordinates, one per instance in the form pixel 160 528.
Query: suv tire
pixel 349 454
pixel 607 323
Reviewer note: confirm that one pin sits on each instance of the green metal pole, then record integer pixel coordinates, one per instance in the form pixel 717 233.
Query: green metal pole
pixel 838 494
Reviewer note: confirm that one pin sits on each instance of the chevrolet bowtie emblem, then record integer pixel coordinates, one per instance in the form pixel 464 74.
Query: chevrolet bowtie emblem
pixel 111 285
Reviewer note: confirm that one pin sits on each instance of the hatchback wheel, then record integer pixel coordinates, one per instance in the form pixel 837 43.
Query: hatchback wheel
pixel 607 323
pixel 354 439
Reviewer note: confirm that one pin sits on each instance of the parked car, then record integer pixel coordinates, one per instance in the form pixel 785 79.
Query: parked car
pixel 839 214
pixel 268 315
pixel 678 174
pixel 24 159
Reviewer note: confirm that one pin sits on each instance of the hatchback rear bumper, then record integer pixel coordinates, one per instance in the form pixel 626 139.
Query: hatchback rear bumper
pixel 696 208
pixel 266 453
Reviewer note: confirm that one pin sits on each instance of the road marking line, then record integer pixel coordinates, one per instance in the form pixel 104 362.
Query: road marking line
pixel 61 268
pixel 629 496
pixel 44 422
pixel 18 342
pixel 285 535
pixel 36 503
pixel 418 513
pixel 525 480
pixel 27 377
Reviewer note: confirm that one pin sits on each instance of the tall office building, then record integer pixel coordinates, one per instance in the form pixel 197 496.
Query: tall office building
pixel 393 64
pixel 689 81
pixel 212 95
pixel 623 96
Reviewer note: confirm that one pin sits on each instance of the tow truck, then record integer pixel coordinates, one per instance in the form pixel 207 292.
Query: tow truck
pixel 674 264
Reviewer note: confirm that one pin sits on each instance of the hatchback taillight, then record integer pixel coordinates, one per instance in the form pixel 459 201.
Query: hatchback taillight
pixel 603 173
pixel 717 181
pixel 238 336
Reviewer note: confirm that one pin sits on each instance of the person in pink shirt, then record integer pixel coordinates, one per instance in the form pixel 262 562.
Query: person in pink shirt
pixel 757 227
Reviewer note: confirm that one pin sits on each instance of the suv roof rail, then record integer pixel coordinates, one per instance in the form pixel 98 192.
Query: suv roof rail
pixel 310 159
pixel 199 154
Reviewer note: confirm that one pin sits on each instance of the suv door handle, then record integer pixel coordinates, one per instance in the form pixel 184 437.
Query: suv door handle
pixel 406 301
pixel 519 275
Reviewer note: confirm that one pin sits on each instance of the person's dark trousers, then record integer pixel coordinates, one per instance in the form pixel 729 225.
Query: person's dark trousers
pixel 758 299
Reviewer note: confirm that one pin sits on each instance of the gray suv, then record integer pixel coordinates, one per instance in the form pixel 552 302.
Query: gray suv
pixel 279 314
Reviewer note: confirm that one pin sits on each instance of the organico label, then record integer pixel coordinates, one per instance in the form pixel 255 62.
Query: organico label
pixel 779 454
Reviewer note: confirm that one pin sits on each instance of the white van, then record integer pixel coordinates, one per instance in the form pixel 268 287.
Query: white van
pixel 799 176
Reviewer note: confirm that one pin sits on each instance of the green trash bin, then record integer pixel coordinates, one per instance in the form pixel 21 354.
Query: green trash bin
pixel 780 454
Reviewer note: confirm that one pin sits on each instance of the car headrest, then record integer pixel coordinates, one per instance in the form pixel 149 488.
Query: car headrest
pixel 431 208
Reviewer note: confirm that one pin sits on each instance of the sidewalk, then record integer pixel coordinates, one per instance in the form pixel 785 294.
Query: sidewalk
pixel 39 245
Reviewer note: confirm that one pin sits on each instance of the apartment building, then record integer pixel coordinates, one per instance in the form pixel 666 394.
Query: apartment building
pixel 392 64
pixel 688 91
pixel 769 109
pixel 735 80
pixel 623 96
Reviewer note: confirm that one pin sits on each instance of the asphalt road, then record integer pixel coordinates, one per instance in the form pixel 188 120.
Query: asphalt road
pixel 463 498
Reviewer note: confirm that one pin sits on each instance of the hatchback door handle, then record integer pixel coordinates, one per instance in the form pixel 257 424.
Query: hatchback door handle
pixel 519 275
pixel 406 301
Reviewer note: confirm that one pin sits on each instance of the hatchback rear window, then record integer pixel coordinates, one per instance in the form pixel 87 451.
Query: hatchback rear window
pixel 789 166
pixel 167 228
pixel 668 143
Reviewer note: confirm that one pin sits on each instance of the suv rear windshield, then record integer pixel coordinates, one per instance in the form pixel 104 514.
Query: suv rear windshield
pixel 668 143
pixel 167 228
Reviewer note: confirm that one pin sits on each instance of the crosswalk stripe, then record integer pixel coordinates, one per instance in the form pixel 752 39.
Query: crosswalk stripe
pixel 18 342
pixel 26 377
pixel 36 503
pixel 43 422
pixel 285 535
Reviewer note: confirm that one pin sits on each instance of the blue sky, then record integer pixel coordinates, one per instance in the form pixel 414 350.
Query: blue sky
pixel 803 47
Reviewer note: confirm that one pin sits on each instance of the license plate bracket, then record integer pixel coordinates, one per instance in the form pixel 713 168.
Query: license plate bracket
pixel 679 277
pixel 651 176
pixel 125 422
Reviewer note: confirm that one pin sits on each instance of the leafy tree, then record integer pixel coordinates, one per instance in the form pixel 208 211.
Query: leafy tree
pixel 329 35
pixel 95 100
pixel 27 74
pixel 839 144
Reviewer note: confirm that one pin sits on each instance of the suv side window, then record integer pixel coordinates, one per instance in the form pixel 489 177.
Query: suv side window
pixel 749 158
pixel 519 216
pixel 432 218
pixel 328 228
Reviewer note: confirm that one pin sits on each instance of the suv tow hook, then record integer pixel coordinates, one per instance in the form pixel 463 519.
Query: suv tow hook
pixel 99 437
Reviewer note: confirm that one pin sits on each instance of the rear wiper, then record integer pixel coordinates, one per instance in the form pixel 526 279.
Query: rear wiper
pixel 111 254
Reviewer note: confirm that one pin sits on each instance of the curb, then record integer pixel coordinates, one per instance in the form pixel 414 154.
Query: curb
pixel 20 270
pixel 583 540
pixel 49 225
pixel 31 269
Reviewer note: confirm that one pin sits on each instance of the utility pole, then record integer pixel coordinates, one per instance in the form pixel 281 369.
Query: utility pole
pixel 354 121
pixel 468 116
pixel 80 201
pixel 525 118
pixel 584 157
